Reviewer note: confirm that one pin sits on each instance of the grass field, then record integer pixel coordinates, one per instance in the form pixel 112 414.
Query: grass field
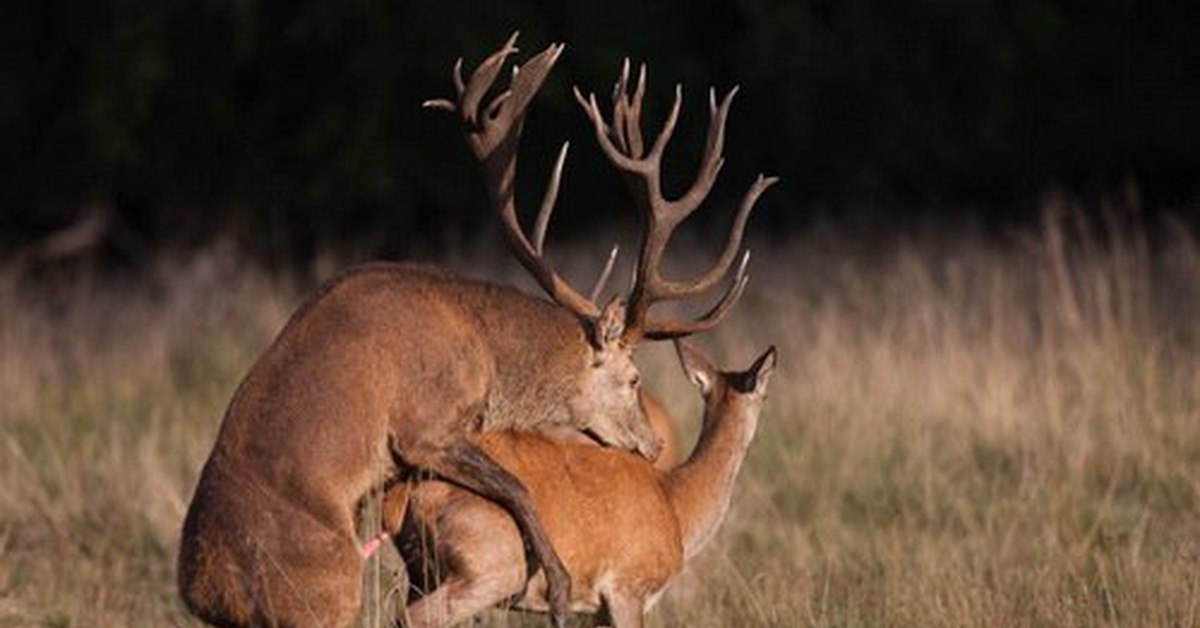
pixel 963 431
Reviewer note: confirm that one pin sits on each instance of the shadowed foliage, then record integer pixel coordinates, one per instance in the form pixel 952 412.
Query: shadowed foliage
pixel 297 124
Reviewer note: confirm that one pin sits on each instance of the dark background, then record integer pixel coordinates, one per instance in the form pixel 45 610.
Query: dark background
pixel 294 126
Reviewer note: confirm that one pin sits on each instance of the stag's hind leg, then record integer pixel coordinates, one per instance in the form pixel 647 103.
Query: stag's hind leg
pixel 306 574
pixel 467 465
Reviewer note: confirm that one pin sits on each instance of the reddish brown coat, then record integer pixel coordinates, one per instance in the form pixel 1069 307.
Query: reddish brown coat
pixel 622 527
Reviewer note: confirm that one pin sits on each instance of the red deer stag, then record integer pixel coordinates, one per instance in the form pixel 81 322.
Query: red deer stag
pixel 623 528
pixel 389 368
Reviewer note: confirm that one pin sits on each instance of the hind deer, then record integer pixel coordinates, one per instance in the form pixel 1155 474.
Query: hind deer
pixel 623 528
pixel 390 368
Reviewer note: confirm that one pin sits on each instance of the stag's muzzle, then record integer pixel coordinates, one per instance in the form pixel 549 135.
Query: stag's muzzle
pixel 650 449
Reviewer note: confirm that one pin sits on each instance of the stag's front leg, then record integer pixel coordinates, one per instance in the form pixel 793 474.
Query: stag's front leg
pixel 465 464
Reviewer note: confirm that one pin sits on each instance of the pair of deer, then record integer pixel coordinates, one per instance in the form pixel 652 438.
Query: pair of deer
pixel 393 368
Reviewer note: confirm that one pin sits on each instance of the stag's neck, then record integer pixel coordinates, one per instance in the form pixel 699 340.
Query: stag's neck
pixel 540 352
pixel 700 489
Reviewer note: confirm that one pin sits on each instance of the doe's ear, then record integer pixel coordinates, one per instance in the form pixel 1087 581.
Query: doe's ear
pixel 760 371
pixel 696 367
pixel 610 325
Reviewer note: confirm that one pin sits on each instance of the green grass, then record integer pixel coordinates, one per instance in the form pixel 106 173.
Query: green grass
pixel 962 432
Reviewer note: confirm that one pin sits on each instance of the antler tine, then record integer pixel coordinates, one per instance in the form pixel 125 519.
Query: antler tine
pixel 445 104
pixel 620 159
pixel 528 80
pixel 459 86
pixel 481 80
pixel 714 148
pixel 664 136
pixel 668 329
pixel 493 109
pixel 602 280
pixel 635 111
pixel 679 290
pixel 548 201
pixel 627 112
pixel 620 110
pixel 494 137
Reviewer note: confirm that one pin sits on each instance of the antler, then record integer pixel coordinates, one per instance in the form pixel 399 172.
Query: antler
pixel 622 143
pixel 493 132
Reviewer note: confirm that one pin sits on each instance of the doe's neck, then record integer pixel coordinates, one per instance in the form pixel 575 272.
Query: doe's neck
pixel 700 489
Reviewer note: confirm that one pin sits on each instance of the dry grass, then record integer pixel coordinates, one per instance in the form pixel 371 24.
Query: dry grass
pixel 963 432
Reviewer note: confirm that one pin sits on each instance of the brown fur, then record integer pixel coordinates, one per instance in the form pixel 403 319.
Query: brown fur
pixel 388 367
pixel 622 528
pixel 666 428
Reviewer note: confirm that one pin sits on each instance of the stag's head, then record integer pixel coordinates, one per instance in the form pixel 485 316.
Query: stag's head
pixel 608 407
pixel 608 404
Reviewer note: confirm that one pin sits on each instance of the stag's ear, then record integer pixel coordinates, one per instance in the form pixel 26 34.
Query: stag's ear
pixel 610 325
pixel 759 373
pixel 696 367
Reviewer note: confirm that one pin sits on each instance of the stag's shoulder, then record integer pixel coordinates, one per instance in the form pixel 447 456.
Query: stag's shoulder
pixel 381 275
pixel 382 298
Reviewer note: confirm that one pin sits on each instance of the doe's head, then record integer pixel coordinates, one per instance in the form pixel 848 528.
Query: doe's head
pixel 729 393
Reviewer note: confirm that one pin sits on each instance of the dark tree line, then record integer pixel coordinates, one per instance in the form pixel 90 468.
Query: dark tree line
pixel 298 123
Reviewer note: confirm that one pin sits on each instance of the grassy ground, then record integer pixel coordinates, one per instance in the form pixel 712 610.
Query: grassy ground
pixel 962 432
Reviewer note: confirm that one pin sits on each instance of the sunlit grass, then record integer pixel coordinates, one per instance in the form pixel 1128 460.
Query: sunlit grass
pixel 964 431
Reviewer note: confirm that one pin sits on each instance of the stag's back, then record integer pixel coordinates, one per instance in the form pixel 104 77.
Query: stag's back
pixel 377 338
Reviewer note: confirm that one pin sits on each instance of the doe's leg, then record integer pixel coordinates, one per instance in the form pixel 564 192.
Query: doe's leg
pixel 625 611
pixel 458 599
